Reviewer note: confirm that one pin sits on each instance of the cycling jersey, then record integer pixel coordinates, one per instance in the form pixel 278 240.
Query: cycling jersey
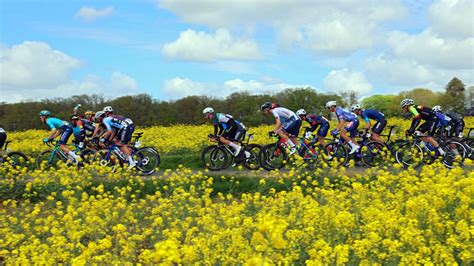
pixel 457 123
pixel 344 114
pixel 443 120
pixel 228 127
pixel 423 113
pixel 316 121
pixel 3 137
pixel 2 130
pixel 56 123
pixel 284 114
pixel 116 122
pixel 368 114
pixel 87 125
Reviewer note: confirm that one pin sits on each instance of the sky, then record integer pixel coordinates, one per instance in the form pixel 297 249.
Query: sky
pixel 176 48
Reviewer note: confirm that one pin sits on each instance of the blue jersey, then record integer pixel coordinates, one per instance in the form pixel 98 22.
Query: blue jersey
pixel 443 120
pixel 316 120
pixel 368 114
pixel 343 114
pixel 116 122
pixel 55 123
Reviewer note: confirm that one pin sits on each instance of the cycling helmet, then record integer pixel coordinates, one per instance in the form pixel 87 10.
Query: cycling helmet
pixel 406 102
pixel 44 113
pixel 331 104
pixel 74 117
pixel 437 108
pixel 266 105
pixel 208 110
pixel 99 114
pixel 300 112
pixel 108 109
pixel 88 112
pixel 355 107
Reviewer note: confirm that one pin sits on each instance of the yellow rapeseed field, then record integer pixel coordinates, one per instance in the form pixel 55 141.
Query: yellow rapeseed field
pixel 385 215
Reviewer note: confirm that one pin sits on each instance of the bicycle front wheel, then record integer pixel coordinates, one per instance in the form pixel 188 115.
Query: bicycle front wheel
pixel 335 152
pixel 48 159
pixel 455 154
pixel 251 153
pixel 147 160
pixel 216 158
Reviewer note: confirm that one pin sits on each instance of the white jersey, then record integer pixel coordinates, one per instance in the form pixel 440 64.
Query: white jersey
pixel 284 114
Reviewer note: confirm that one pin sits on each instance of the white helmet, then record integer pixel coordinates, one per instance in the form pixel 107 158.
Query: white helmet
pixel 108 109
pixel 355 107
pixel 207 110
pixel 300 112
pixel 406 102
pixel 99 114
pixel 331 104
pixel 437 108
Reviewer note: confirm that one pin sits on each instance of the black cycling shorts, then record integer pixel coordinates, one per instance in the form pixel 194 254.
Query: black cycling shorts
pixel 428 127
pixel 379 126
pixel 3 137
pixel 235 133
pixel 125 134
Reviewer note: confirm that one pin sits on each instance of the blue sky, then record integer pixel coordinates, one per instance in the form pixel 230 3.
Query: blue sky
pixel 171 49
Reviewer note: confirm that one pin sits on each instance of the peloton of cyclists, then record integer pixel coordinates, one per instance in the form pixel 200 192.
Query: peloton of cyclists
pixel 452 120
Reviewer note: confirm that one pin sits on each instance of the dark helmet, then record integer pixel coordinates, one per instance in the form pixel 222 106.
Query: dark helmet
pixel 266 105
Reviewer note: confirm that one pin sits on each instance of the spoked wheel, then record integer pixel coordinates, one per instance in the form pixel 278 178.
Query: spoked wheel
pixel 147 160
pixel 216 158
pixel 87 155
pixel 47 160
pixel 374 153
pixel 17 159
pixel 251 153
pixel 335 152
pixel 455 154
pixel 409 154
pixel 310 156
pixel 273 157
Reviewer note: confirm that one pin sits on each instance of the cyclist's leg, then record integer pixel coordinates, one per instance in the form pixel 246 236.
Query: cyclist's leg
pixel 429 128
pixel 322 133
pixel 229 134
pixel 67 131
pixel 3 138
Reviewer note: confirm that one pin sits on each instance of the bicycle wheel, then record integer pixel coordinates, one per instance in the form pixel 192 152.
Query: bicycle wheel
pixel 251 153
pixel 147 160
pixel 17 159
pixel 310 156
pixel 373 153
pixel 216 158
pixel 455 154
pixel 409 154
pixel 87 155
pixel 47 159
pixel 335 152
pixel 272 157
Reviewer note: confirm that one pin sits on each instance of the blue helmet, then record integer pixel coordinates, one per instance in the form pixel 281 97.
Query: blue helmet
pixel 44 113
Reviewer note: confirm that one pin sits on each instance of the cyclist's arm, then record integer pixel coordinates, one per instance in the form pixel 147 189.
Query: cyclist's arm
pixel 340 125
pixel 416 119
pixel 54 133
pixel 278 124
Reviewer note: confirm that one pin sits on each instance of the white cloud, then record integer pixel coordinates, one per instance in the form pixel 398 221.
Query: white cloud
pixel 31 65
pixel 346 80
pixel 181 87
pixel 430 49
pixel 89 14
pixel 201 46
pixel 453 18
pixel 33 70
pixel 324 24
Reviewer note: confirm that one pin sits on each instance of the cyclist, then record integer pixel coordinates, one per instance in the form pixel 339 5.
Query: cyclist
pixel 314 121
pixel 58 127
pixel 422 113
pixel 368 114
pixel 118 127
pixel 78 131
pixel 343 115
pixel 3 137
pixel 230 130
pixel 88 123
pixel 456 121
pixel 287 123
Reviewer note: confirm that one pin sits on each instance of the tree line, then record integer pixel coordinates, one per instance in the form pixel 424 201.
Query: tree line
pixel 244 106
